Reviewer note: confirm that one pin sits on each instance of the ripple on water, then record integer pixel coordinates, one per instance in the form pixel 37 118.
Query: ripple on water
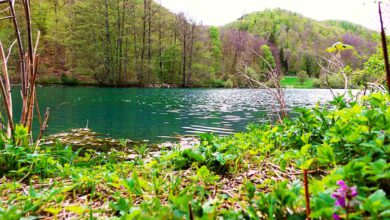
pixel 140 114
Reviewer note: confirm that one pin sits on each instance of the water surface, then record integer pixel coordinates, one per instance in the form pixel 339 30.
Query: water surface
pixel 153 114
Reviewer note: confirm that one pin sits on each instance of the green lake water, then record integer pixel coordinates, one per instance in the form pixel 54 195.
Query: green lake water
pixel 153 114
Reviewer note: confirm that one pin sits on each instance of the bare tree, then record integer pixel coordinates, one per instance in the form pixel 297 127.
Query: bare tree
pixel 272 87
pixel 29 60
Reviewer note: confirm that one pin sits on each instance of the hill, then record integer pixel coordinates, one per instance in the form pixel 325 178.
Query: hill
pixel 299 38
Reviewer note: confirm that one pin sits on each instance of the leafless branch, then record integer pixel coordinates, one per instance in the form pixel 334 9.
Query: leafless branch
pixel 5 18
pixel 274 77
pixel 4 10
pixel 28 66
pixel 10 50
pixel 334 65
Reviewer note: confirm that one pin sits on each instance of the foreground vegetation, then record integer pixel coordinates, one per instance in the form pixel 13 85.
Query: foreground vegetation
pixel 258 174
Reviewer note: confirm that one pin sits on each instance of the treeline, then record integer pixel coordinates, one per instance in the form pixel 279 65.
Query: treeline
pixel 138 42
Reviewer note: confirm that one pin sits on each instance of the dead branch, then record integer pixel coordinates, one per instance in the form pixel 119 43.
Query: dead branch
pixel 44 124
pixel 334 65
pixel 6 91
pixel 28 67
pixel 274 77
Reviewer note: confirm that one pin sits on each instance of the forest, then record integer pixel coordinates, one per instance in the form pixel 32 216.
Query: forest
pixel 140 43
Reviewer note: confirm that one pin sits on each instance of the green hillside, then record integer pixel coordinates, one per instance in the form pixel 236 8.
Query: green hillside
pixel 298 39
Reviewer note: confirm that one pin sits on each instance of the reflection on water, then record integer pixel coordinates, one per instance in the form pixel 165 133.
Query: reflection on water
pixel 141 114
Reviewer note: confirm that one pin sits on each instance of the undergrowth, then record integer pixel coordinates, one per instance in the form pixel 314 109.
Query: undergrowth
pixel 257 174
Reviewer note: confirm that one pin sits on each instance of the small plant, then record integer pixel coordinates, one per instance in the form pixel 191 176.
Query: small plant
pixel 123 144
pixel 205 176
pixel 142 150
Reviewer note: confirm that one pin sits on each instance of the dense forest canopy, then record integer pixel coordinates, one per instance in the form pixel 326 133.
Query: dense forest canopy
pixel 138 42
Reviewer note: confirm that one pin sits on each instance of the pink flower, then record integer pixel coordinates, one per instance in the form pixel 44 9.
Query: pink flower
pixel 344 193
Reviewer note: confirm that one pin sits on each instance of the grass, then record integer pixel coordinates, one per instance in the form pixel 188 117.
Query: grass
pixel 293 82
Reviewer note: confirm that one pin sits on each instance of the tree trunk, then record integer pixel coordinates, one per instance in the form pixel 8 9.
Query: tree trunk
pixel 184 55
pixel 149 40
pixel 384 47
pixel 143 47
pixel 191 54
pixel 108 43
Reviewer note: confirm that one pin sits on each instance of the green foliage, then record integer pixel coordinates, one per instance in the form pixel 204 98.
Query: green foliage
pixel 373 70
pixel 375 64
pixel 338 47
pixel 110 43
pixel 377 205
pixel 293 82
pixel 212 152
pixel 142 150
pixel 301 39
pixel 69 80
pixel 335 81
pixel 317 83
pixel 169 58
pixel 218 83
pixel 268 61
pixel 48 80
pixel 347 139
pixel 309 65
pixel 349 27
pixel 216 49
pixel 302 77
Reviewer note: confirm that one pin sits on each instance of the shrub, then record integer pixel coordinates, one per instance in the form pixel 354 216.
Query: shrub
pixel 218 83
pixel 302 76
pixel 336 81
pixel 69 80
pixel 317 83
pixel 48 80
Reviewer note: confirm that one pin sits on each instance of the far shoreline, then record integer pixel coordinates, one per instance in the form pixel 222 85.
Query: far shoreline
pixel 86 85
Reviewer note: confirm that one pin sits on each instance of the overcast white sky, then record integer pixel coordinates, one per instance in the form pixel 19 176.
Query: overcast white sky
pixel 220 12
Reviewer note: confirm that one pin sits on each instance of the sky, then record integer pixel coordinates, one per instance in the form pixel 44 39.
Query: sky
pixel 220 12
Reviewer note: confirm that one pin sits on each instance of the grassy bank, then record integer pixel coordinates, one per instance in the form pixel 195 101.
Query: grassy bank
pixel 293 82
pixel 257 174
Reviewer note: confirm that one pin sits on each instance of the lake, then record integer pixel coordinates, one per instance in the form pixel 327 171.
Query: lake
pixel 154 114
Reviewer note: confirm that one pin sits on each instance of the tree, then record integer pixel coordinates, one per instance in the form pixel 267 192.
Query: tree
pixel 216 49
pixel 138 42
pixel 184 29
pixel 283 61
pixel 268 61
pixel 309 65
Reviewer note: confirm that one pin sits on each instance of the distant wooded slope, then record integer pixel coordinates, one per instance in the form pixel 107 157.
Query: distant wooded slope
pixel 138 42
